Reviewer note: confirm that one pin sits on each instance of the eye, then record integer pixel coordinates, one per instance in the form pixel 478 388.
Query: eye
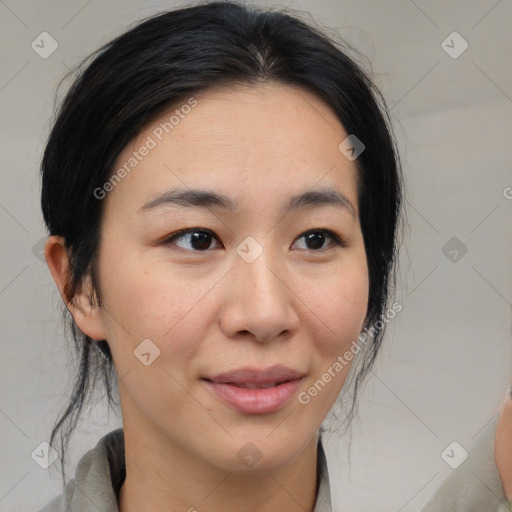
pixel 195 238
pixel 316 238
pixel 200 239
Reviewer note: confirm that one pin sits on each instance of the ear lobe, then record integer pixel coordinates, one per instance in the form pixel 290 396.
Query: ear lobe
pixel 86 314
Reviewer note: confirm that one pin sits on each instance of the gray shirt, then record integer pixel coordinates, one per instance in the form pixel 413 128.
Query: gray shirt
pixel 475 486
pixel 100 474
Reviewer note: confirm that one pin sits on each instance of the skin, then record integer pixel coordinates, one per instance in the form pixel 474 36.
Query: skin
pixel 211 311
pixel 503 448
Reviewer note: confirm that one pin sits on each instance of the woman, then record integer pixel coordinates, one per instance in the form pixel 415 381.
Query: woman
pixel 222 193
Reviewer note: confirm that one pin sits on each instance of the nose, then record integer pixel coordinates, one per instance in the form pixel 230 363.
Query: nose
pixel 259 301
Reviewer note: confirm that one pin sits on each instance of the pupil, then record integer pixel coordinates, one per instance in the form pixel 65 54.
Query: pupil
pixel 316 238
pixel 200 240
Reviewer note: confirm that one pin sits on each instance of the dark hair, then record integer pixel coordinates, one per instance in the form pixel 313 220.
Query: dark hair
pixel 162 61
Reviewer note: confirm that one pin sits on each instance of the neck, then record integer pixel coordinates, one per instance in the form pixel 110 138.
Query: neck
pixel 163 478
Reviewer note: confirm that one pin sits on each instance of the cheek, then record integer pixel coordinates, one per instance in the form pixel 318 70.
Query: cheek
pixel 144 303
pixel 337 312
pixel 337 306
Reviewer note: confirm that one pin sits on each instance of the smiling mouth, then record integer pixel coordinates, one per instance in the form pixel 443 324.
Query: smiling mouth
pixel 252 385
pixel 254 397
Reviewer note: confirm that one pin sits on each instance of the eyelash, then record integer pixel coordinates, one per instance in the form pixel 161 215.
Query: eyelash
pixel 337 240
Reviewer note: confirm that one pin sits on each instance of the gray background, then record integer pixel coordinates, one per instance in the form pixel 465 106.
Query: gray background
pixel 445 367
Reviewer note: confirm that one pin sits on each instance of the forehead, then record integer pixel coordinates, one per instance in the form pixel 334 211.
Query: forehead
pixel 269 136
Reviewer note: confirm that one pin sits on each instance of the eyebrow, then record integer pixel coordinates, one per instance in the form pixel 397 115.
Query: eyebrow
pixel 208 199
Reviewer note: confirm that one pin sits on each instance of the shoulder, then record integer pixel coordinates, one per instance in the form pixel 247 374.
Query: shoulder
pixel 56 505
pixel 98 475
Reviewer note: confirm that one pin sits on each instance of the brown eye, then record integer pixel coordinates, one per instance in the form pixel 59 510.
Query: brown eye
pixel 315 239
pixel 195 240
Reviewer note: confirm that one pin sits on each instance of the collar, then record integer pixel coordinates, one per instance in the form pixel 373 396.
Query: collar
pixel 100 474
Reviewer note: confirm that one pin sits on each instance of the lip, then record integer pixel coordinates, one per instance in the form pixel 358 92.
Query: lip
pixel 249 375
pixel 226 386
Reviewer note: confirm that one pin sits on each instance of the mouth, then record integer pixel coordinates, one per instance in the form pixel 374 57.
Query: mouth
pixel 252 385
pixel 251 391
pixel 253 378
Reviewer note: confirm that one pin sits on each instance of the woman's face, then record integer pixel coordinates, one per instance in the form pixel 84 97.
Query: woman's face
pixel 255 286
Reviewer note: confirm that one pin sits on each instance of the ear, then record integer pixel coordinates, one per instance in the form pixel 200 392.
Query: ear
pixel 87 315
